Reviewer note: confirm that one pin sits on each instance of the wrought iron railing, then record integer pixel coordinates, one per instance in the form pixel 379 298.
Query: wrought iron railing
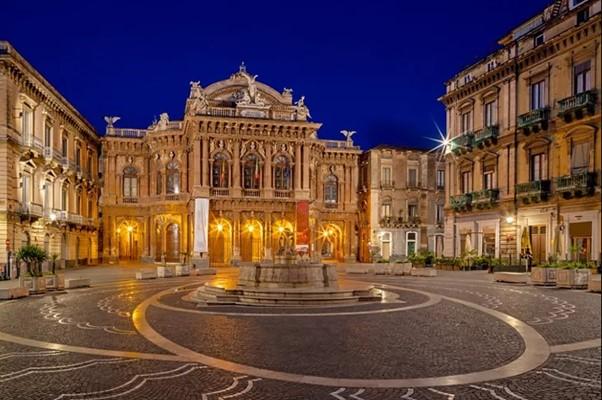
pixel 582 180
pixel 581 100
pixel 485 197
pixel 462 143
pixel 486 135
pixel 220 192
pixel 533 117
pixel 251 192
pixel 461 202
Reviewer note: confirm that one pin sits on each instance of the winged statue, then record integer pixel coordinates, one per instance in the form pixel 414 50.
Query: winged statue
pixel 110 120
pixel 348 134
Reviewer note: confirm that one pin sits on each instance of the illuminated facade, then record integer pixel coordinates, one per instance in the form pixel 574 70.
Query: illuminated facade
pixel 253 152
pixel 48 167
pixel 402 200
pixel 524 156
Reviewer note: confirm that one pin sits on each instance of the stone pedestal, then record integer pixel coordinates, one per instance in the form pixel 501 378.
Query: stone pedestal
pixel 288 276
pixel 200 262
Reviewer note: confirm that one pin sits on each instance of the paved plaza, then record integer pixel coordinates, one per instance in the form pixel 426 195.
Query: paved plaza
pixel 456 336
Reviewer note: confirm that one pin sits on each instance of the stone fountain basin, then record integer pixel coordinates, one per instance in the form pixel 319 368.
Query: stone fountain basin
pixel 288 276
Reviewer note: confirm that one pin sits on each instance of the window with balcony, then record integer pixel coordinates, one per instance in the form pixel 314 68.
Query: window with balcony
pixel 490 113
pixel 25 189
pixel 580 158
pixel 466 182
pixel 331 190
pixel 282 173
pixel 173 178
pixel 220 174
pixel 47 134
pixel 251 171
pixel 411 243
pixel 385 210
pixel 130 182
pixel 89 164
pixel 78 155
pixel 582 78
pixel 385 177
pixel 47 191
pixel 466 122
pixel 538 95
pixel 78 202
pixel 26 122
pixel 440 179
pixel 538 167
pixel 412 211
pixel 64 196
pixel 489 178
pixel 439 214
pixel 412 177
pixel 64 144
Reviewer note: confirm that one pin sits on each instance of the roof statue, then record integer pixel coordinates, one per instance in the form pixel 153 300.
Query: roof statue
pixel 110 120
pixel 348 135
pixel 163 121
pixel 251 95
pixel 197 100
pixel 302 112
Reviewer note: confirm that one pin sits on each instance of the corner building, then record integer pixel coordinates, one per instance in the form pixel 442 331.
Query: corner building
pixel 272 183
pixel 49 184
pixel 524 157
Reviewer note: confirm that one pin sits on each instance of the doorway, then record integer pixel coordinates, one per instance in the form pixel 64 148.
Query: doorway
pixel 538 243
pixel 172 242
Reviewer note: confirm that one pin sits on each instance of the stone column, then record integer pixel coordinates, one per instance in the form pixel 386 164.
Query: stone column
pixel 196 162
pixel 306 153
pixel 297 167
pixel 267 255
pixel 267 171
pixel 236 170
pixel 236 238
pixel 205 163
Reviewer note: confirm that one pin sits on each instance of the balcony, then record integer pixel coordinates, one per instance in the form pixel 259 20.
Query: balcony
pixel 251 193
pixel 487 198
pixel 130 200
pixel 461 144
pixel 533 192
pixel 534 121
pixel 576 185
pixel 220 192
pixel 391 222
pixel 575 107
pixel 331 204
pixel 462 202
pixel 486 136
pixel 62 216
pixel 173 197
pixel 387 185
pixel 75 219
pixel 32 209
pixel 282 194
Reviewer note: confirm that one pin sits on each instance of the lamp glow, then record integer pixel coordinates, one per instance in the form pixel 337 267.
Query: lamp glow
pixel 220 227
pixel 510 219
pixel 52 217
pixel 281 229
pixel 130 229
pixel 250 228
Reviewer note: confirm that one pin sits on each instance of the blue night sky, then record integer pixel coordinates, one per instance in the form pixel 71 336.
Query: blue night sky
pixel 376 67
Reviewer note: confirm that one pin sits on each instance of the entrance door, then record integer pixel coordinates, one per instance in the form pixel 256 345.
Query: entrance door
pixel 538 243
pixel 250 250
pixel 385 245
pixel 220 244
pixel 172 242
pixel 581 240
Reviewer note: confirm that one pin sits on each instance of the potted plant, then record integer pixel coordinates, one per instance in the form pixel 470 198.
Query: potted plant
pixel 573 275
pixel 33 256
pixel 545 274
pixel 422 263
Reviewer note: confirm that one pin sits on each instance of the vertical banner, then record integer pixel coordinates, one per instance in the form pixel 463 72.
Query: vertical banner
pixel 302 227
pixel 201 225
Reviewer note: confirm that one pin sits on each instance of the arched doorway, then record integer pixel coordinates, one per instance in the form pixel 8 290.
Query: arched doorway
pixel 128 240
pixel 330 242
pixel 220 242
pixel 251 246
pixel 158 244
pixel 283 240
pixel 172 242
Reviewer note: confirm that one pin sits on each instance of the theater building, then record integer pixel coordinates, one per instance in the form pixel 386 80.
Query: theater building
pixel 274 186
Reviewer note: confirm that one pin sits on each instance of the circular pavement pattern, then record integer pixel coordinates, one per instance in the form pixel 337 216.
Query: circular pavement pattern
pixel 442 338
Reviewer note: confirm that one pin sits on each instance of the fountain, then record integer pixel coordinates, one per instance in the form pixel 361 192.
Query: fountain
pixel 290 281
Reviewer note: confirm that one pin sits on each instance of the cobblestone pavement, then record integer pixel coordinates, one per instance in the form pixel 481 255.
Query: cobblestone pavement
pixel 441 339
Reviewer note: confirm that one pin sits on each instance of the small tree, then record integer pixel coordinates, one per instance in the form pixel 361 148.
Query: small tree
pixel 53 257
pixel 33 256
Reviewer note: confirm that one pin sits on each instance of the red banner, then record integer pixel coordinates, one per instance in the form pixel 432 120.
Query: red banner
pixel 302 226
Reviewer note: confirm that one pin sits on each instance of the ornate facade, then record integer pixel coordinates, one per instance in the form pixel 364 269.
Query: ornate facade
pixel 402 202
pixel 524 157
pixel 48 167
pixel 253 152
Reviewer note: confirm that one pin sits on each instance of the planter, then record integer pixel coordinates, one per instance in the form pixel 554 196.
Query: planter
pixel 401 269
pixel 594 283
pixel 35 284
pixel 166 271
pixel 572 278
pixel 543 276
pixel 423 272
pixel 182 270
pixel 380 269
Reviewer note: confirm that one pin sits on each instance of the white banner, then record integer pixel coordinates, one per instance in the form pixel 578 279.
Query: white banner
pixel 201 225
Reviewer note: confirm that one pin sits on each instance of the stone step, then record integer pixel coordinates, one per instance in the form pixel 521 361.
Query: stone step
pixel 291 301
pixel 305 295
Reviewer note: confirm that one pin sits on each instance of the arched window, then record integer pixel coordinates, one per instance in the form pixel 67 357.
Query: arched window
pixel 173 178
pixel 130 182
pixel 221 171
pixel 331 190
pixel 251 171
pixel 282 173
